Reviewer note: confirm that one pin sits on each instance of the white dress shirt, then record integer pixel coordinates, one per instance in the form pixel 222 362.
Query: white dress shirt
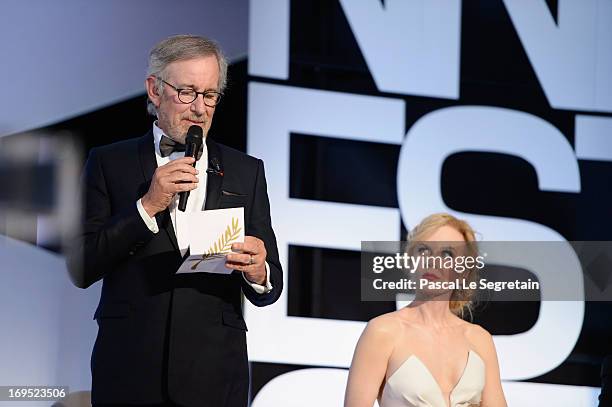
pixel 197 198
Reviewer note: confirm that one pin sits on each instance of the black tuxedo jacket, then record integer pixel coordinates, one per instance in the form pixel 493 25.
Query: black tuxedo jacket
pixel 163 335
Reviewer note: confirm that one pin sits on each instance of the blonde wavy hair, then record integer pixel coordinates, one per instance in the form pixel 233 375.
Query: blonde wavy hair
pixel 463 300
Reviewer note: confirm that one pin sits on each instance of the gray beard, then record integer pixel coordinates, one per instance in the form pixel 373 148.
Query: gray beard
pixel 179 138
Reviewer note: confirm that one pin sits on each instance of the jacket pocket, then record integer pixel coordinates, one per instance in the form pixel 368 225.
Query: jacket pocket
pixel 229 193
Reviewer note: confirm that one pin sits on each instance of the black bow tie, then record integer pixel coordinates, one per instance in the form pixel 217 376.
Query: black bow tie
pixel 168 146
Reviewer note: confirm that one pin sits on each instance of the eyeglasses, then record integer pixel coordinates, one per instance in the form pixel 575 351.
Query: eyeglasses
pixel 187 95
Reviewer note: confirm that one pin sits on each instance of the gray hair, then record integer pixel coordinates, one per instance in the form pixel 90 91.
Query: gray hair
pixel 179 48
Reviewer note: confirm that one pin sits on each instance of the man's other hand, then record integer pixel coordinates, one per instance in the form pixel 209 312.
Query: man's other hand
pixel 250 259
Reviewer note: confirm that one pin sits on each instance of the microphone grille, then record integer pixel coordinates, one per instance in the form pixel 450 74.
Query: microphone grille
pixel 194 134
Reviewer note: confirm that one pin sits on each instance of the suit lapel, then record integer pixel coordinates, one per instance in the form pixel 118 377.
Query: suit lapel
pixel 214 180
pixel 148 163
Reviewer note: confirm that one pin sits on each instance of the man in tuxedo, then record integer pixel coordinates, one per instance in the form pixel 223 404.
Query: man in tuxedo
pixel 166 339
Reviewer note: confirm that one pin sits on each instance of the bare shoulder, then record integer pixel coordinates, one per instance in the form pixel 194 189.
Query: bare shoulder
pixel 379 337
pixel 475 332
pixel 481 340
pixel 385 324
pixel 384 329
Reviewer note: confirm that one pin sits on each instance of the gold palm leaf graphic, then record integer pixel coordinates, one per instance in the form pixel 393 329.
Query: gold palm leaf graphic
pixel 223 245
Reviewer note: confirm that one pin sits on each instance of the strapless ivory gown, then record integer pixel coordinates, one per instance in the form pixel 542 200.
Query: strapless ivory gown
pixel 412 385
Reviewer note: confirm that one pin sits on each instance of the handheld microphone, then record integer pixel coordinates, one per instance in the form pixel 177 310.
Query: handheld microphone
pixel 193 144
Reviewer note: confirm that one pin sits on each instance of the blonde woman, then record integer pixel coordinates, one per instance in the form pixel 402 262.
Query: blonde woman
pixel 426 355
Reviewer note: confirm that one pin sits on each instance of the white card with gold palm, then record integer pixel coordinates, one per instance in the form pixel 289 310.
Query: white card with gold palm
pixel 211 235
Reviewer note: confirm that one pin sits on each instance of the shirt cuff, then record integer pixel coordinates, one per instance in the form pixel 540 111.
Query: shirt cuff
pixel 261 289
pixel 149 221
